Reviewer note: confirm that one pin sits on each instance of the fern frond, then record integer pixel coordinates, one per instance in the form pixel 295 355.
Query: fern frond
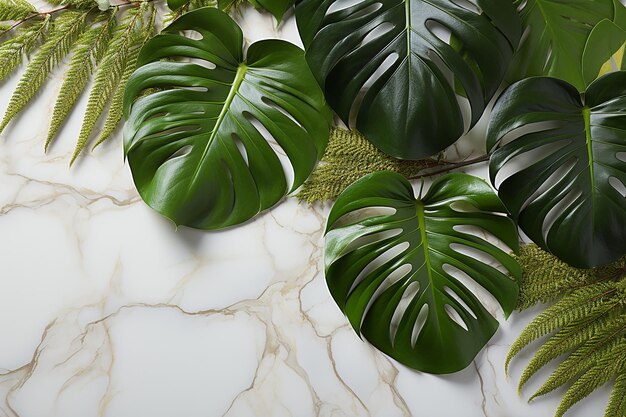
pixel 547 278
pixel 188 6
pixel 116 107
pixel 565 340
pixel 15 9
pixel 349 156
pixel 127 38
pixel 67 28
pixel 88 52
pixel 599 375
pixel 617 401
pixel 13 50
pixel 571 308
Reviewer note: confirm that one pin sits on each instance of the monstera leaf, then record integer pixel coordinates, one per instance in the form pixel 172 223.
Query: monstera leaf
pixel 388 64
pixel 567 168
pixel 395 275
pixel 202 137
pixel 558 31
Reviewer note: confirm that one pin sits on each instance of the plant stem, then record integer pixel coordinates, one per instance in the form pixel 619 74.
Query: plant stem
pixel 451 167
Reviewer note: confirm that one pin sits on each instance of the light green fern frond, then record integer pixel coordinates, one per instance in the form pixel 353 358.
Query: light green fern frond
pixel 585 329
pixel 573 307
pixel 187 6
pixel 67 28
pixel 87 53
pixel 617 401
pixel 126 40
pixel 13 50
pixel 601 373
pixel 15 9
pixel 349 156
pixel 116 108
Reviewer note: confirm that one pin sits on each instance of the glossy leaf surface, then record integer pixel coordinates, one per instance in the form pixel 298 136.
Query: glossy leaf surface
pixel 388 65
pixel 395 274
pixel 203 144
pixel 563 175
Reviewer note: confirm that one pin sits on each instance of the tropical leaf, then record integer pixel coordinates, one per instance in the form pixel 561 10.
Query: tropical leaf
pixel 88 52
pixel 67 28
pixel 566 189
pixel 349 156
pixel 15 9
pixel 275 7
pixel 203 148
pixel 584 332
pixel 395 51
pixel 604 51
pixel 127 39
pixel 558 31
pixel 13 50
pixel 392 274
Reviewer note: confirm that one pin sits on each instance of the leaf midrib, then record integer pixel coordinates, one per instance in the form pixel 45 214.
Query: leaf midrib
pixel 232 93
pixel 589 141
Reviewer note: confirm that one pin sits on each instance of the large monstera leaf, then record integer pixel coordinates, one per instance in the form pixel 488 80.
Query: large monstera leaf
pixel 563 174
pixel 395 275
pixel 202 137
pixel 558 31
pixel 397 51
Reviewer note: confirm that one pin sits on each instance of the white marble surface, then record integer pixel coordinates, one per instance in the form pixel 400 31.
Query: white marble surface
pixel 107 310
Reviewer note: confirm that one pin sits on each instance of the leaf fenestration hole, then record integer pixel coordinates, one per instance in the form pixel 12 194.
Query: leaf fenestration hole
pixel 459 300
pixel 371 238
pixel 377 32
pixel 202 62
pixel 181 152
pixel 380 71
pixel 468 5
pixel 438 30
pixel 288 169
pixel 361 214
pixel 241 148
pixel 455 316
pixel 340 5
pixel 192 34
pixel 483 234
pixel 479 255
pixel 409 293
pixel 527 159
pixel 420 322
pixel 621 156
pixel 523 130
pixel 558 210
pixel 550 182
pixel 618 186
pixel 377 262
pixel 480 292
pixel 273 105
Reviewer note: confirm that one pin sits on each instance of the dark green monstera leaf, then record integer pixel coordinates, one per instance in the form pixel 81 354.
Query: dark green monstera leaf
pixel 395 275
pixel 389 65
pixel 203 137
pixel 565 169
pixel 558 31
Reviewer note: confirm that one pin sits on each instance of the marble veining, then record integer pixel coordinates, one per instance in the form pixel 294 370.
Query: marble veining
pixel 108 310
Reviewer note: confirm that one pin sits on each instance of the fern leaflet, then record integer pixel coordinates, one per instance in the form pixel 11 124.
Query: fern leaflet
pixel 127 37
pixel 88 52
pixel 12 51
pixel 67 27
pixel 15 9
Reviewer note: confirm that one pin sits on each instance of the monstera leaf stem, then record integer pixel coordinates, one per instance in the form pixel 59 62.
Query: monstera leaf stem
pixel 452 167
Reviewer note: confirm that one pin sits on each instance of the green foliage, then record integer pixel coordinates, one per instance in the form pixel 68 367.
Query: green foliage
pixel 180 7
pixel 90 48
pixel 78 4
pixel 388 271
pixel 65 31
pixel 567 195
pixel 586 326
pixel 349 156
pixel 196 147
pixel 118 61
pixel 410 111
pixel 13 50
pixel 15 9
